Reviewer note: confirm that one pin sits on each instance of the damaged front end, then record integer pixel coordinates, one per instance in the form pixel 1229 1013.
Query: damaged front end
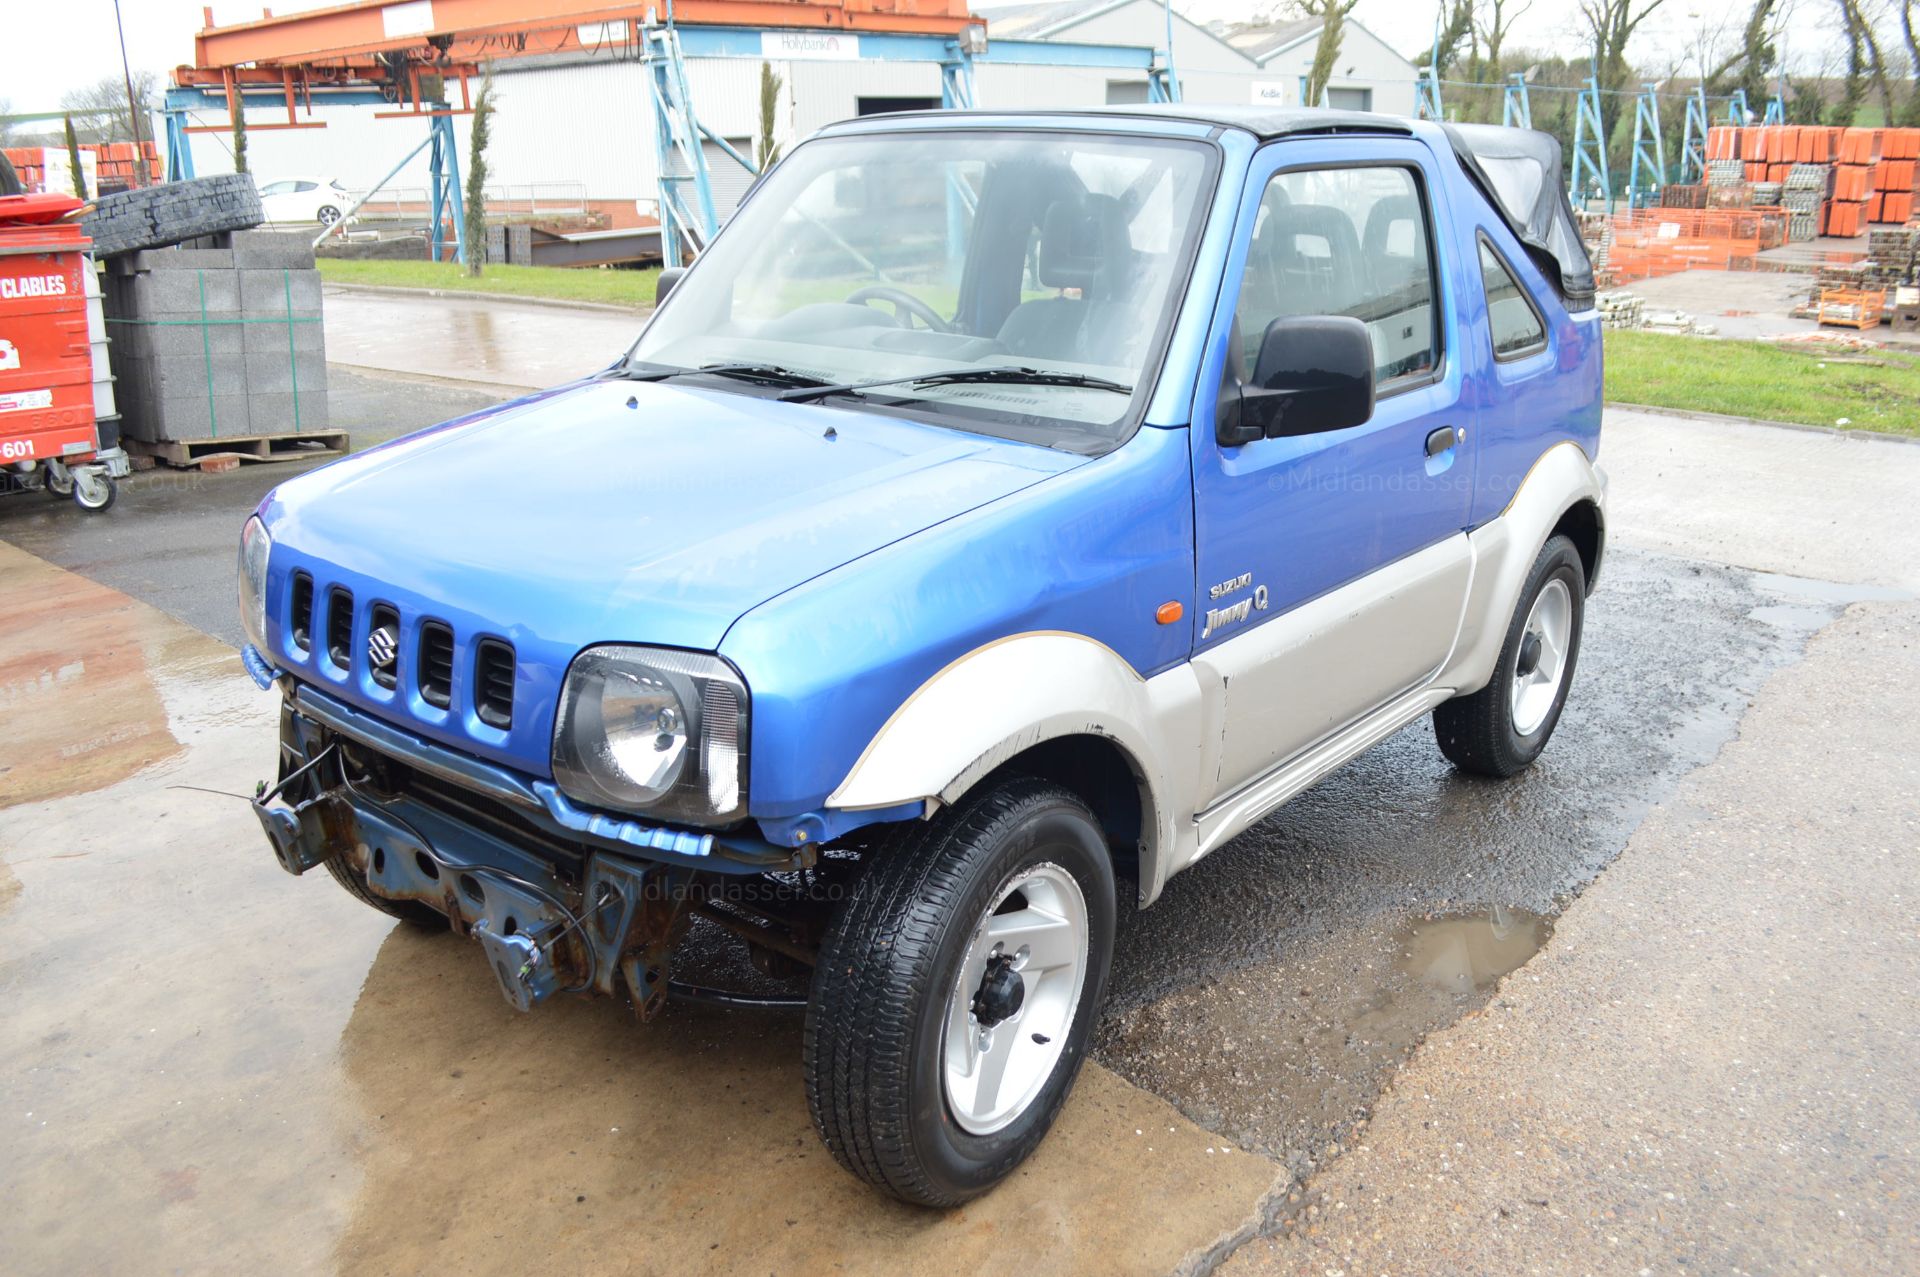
pixel 557 904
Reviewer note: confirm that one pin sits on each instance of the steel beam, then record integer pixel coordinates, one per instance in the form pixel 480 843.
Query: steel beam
pixel 550 26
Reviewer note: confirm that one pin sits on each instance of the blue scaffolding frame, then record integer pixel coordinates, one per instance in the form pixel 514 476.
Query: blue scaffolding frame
pixel 1426 85
pixel 692 223
pixel 446 197
pixel 1589 146
pixel 1649 171
pixel 1516 107
pixel 1693 139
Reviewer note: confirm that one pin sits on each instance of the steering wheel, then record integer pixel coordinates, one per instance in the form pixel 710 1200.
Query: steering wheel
pixel 906 307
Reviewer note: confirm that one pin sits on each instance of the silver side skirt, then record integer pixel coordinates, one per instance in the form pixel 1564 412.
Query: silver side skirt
pixel 1240 809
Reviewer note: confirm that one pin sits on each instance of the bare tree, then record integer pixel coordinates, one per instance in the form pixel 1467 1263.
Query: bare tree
pixel 1494 28
pixel 6 125
pixel 1859 24
pixel 1333 22
pixel 100 109
pixel 1612 24
pixel 1455 31
pixel 1910 114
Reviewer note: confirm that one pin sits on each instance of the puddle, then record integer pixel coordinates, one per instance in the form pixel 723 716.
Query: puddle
pixel 1788 616
pixel 1800 587
pixel 1467 953
pixel 1285 1058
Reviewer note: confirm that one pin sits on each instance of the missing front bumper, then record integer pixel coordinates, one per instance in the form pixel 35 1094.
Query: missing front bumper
pixel 589 922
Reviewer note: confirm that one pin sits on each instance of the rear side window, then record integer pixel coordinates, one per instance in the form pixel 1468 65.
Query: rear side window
pixel 1346 241
pixel 1516 325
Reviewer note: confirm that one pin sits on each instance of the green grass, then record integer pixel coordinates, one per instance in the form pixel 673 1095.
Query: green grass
pixel 1877 390
pixel 561 283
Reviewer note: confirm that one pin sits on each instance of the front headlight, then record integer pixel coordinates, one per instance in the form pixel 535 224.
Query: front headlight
pixel 255 545
pixel 655 730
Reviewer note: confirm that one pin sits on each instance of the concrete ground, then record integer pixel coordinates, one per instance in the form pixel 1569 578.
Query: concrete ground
pixel 1711 1067
pixel 216 1094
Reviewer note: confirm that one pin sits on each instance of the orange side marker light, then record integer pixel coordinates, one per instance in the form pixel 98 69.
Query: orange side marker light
pixel 1168 613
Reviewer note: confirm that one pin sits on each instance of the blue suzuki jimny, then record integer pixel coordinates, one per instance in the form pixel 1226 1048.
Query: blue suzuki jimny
pixel 1002 508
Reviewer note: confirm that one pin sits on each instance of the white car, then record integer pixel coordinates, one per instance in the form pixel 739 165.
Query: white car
pixel 305 199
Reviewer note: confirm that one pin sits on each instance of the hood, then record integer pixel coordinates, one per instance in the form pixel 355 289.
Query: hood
pixel 620 511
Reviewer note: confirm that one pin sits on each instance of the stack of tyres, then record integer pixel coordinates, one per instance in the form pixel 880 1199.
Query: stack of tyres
pixel 47 419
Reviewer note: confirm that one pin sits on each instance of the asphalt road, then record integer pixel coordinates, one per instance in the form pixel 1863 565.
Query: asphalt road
pixel 172 537
pixel 1269 993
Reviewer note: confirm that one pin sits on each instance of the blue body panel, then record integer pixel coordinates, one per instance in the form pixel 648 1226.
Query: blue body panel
pixel 1093 552
pixel 839 572
pixel 572 519
pixel 1308 514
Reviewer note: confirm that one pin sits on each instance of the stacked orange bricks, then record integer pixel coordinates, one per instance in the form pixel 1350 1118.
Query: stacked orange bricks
pixel 115 165
pixel 1870 174
pixel 1891 201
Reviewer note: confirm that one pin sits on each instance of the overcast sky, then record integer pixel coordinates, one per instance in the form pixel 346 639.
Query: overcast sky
pixel 51 46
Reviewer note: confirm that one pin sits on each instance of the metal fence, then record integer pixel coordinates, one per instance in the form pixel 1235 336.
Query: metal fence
pixel 523 199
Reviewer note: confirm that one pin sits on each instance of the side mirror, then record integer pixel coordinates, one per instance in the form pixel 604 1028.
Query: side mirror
pixel 1314 374
pixel 664 285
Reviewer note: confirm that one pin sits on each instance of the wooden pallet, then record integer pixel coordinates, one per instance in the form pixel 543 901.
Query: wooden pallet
pixel 229 453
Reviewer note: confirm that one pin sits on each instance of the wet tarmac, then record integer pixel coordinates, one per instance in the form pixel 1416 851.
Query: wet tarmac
pixel 1266 992
pixel 209 1066
pixel 228 1067
pixel 171 538
pixel 508 344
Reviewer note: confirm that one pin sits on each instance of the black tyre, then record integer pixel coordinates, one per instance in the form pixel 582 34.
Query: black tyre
pixel 956 992
pixel 328 214
pixel 411 912
pixel 1500 729
pixel 171 213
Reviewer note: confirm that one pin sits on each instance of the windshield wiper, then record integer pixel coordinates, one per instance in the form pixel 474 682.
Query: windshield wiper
pixel 963 377
pixel 746 372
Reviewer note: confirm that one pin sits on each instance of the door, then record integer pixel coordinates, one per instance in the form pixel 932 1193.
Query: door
pixel 1332 567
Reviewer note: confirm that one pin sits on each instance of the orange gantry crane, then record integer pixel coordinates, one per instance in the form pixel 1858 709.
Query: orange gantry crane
pixel 415 58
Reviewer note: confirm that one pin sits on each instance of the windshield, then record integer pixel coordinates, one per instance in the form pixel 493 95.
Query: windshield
pixel 1031 274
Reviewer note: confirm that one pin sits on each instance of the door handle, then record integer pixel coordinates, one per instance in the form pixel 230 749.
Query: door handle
pixel 1438 441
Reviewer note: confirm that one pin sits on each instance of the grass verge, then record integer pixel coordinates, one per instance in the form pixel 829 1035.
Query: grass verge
pixel 559 283
pixel 1868 390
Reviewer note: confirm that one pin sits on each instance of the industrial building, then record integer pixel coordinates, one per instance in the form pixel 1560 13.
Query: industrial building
pixel 575 131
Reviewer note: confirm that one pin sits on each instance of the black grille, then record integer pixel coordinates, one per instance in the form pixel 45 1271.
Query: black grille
pixel 436 664
pixel 378 616
pixel 300 617
pixel 493 682
pixel 340 627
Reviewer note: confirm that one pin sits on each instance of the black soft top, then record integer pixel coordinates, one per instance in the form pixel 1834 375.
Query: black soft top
pixel 1519 172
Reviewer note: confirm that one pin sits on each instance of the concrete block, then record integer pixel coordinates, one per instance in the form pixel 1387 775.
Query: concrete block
pixel 272 250
pixel 153 294
pixel 272 292
pixel 176 338
pixel 278 372
pixel 307 333
pixel 167 419
pixel 170 259
pixel 276 414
